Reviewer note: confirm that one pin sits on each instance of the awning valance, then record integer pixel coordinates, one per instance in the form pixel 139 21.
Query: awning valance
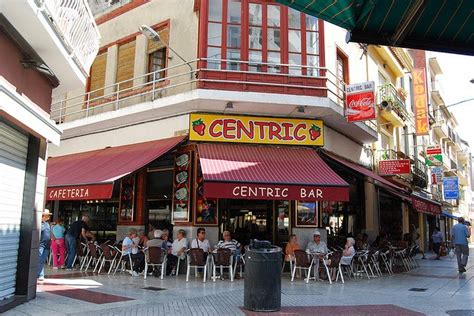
pixel 90 175
pixel 379 181
pixel 427 25
pixel 268 172
pixel 425 205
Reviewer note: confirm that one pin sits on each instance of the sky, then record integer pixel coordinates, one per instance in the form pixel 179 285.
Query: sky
pixel 458 70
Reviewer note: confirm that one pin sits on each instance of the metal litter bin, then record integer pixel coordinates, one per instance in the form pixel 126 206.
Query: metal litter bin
pixel 262 282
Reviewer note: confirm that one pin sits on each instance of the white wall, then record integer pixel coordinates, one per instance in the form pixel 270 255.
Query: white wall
pixel 122 136
pixel 345 147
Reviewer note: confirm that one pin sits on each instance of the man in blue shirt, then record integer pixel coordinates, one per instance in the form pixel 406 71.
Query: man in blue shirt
pixel 460 234
pixel 44 243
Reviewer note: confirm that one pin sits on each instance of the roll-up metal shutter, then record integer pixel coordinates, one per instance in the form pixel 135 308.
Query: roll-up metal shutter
pixel 13 152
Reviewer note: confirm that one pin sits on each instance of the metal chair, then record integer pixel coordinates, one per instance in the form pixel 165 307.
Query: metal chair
pixel 122 261
pixel 335 264
pixel 224 260
pixel 108 255
pixel 95 255
pixel 197 259
pixel 302 261
pixel 155 256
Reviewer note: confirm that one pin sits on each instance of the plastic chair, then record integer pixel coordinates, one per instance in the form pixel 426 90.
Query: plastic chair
pixel 196 259
pixel 224 260
pixel 124 258
pixel 155 256
pixel 108 255
pixel 302 261
pixel 335 264
pixel 95 255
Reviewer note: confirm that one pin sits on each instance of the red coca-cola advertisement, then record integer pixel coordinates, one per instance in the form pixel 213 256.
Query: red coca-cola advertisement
pixel 360 102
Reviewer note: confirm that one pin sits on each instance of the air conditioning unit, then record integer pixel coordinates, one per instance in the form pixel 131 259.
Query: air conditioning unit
pixel 386 105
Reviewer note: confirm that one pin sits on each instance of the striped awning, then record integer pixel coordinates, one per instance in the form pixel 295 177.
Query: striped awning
pixel 421 24
pixel 268 172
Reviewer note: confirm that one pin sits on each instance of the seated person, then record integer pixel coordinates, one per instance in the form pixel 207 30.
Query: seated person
pixel 228 243
pixel 348 251
pixel 291 246
pixel 316 245
pixel 201 242
pixel 156 241
pixel 166 245
pixel 178 251
pixel 142 238
pixel 130 248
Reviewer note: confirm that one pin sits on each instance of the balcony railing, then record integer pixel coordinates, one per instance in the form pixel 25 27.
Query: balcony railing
pixel 395 99
pixel 390 154
pixel 420 173
pixel 75 25
pixel 186 77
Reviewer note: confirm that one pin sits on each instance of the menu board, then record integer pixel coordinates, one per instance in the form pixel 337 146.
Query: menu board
pixel 206 209
pixel 127 198
pixel 182 185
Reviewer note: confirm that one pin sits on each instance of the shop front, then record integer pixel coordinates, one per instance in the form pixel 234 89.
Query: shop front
pixel 117 187
pixel 256 177
pixel 429 212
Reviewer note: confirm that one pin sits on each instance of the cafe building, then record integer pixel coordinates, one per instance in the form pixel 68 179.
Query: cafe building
pixel 259 177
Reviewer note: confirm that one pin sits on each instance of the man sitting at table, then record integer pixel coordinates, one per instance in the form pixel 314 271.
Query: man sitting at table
pixel 316 245
pixel 228 243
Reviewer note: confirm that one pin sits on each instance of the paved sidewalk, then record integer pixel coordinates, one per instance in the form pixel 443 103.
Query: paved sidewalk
pixel 435 288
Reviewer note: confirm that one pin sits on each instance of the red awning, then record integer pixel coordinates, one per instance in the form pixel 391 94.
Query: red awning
pixel 90 175
pixel 268 173
pixel 425 205
pixel 379 181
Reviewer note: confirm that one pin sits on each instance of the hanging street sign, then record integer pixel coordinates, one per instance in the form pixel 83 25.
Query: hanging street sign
pixel 436 175
pixel 451 188
pixel 360 101
pixel 393 167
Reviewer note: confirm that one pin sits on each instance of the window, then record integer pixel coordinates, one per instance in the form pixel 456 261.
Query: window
pixel 125 65
pixel 157 62
pixel 271 36
pixel 342 72
pixel 97 76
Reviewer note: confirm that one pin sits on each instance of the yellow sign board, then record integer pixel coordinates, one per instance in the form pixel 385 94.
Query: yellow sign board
pixel 257 130
pixel 421 104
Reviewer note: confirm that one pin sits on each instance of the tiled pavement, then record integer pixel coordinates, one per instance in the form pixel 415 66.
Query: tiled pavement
pixel 442 292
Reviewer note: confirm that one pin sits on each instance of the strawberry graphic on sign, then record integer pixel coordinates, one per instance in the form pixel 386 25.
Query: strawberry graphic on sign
pixel 314 132
pixel 199 127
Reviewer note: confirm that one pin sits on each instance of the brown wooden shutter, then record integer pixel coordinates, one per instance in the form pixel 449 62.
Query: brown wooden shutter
pixel 97 75
pixel 125 64
pixel 154 46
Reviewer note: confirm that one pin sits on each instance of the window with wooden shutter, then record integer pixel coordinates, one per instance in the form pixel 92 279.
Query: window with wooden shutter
pixel 156 52
pixel 97 76
pixel 125 65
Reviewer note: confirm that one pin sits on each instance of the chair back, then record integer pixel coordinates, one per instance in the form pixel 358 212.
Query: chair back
pixel 222 258
pixel 93 250
pixel 196 257
pixel 79 250
pixel 301 258
pixel 335 259
pixel 106 251
pixel 156 255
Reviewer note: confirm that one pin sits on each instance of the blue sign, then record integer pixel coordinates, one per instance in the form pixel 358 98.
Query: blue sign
pixel 451 188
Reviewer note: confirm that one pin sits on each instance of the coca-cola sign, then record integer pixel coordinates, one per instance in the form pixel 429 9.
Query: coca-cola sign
pixel 360 102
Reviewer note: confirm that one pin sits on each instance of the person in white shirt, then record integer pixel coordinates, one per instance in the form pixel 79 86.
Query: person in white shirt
pixel 178 250
pixel 228 243
pixel 130 248
pixel 316 245
pixel 201 242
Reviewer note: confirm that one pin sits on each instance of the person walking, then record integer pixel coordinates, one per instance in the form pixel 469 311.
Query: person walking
pixel 460 233
pixel 437 239
pixel 58 245
pixel 78 228
pixel 44 243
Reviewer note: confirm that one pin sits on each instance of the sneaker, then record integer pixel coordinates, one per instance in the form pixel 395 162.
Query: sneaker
pixel 55 268
pixel 135 273
pixel 68 269
pixel 173 272
pixel 41 278
pixel 462 269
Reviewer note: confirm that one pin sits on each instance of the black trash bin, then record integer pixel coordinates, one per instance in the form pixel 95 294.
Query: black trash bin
pixel 262 282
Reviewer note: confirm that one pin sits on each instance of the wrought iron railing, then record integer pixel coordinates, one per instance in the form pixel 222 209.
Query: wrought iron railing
pixel 76 27
pixel 185 77
pixel 420 171
pixel 395 98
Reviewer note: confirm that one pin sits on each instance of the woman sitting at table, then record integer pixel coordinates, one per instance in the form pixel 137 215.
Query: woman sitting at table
pixel 348 252
pixel 291 246
pixel 130 248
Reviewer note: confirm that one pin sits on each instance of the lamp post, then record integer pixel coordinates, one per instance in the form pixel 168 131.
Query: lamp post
pixel 151 34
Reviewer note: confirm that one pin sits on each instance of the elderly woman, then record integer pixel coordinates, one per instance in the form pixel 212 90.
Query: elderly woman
pixel 348 251
pixel 130 248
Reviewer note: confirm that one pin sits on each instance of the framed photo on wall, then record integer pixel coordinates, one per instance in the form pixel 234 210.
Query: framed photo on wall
pixel 306 214
pixel 127 198
pixel 206 212
pixel 182 185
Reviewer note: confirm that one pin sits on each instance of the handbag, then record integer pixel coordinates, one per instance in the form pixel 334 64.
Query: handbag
pixel 451 253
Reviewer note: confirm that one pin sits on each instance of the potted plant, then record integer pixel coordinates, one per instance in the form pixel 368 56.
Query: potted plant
pixel 402 93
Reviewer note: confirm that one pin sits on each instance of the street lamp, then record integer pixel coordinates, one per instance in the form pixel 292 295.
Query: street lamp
pixel 151 34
